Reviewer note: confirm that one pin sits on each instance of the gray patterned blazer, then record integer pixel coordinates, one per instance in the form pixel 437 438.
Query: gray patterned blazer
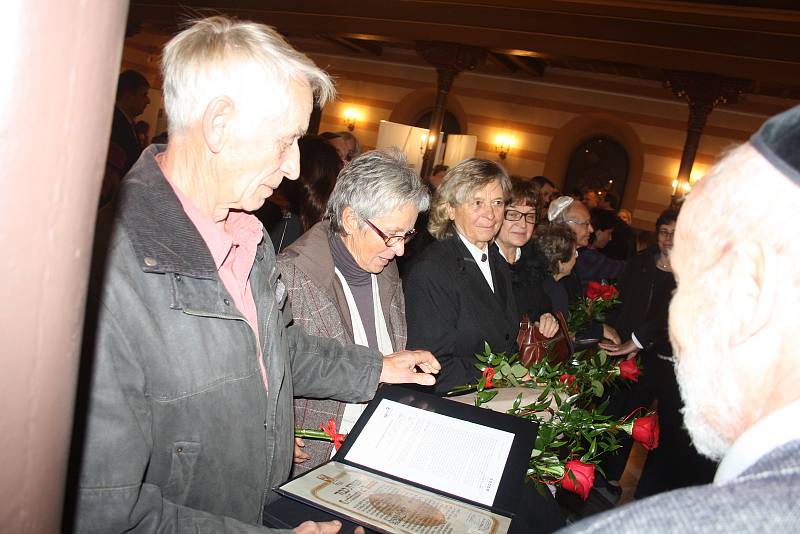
pixel 320 308
pixel 764 498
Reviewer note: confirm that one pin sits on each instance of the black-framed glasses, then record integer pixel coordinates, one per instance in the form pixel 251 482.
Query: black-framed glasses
pixel 392 240
pixel 514 215
pixel 666 234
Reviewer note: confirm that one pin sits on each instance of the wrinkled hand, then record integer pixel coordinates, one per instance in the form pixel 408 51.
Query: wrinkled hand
pixel 548 326
pixel 611 334
pixel 620 349
pixel 328 527
pixel 401 368
pixel 299 455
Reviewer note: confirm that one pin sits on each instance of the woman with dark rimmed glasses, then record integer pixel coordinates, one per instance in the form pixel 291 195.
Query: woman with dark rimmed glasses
pixel 342 278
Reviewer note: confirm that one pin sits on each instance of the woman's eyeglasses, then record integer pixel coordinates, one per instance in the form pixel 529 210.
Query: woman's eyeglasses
pixel 514 215
pixel 392 240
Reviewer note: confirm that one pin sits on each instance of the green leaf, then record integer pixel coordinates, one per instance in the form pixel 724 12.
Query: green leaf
pixel 518 370
pixel 597 388
pixel 603 356
pixel 485 396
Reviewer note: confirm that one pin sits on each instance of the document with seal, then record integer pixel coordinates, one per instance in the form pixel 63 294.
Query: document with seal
pixel 418 463
pixel 388 506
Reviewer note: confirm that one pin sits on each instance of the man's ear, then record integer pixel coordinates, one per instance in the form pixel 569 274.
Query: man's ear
pixel 451 212
pixel 217 120
pixel 754 292
pixel 349 220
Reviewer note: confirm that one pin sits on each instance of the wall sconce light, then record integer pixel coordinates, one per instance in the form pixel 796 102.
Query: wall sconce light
pixel 681 187
pixel 350 118
pixel 502 144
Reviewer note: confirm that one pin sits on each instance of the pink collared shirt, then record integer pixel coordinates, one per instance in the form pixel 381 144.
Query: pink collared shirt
pixel 234 252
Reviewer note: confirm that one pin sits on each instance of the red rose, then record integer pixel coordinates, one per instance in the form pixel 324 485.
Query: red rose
pixel 594 290
pixel 645 431
pixel 608 292
pixel 489 374
pixel 628 369
pixel 567 379
pixel 584 478
pixel 330 429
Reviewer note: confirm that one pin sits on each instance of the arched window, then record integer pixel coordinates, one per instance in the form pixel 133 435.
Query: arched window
pixel 599 164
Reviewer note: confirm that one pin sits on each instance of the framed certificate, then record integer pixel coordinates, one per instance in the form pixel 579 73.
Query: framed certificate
pixel 417 463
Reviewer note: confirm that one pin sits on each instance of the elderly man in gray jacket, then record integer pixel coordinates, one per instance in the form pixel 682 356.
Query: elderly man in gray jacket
pixel 734 324
pixel 193 360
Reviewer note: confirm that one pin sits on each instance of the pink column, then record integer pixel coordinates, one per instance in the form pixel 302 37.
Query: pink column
pixel 60 61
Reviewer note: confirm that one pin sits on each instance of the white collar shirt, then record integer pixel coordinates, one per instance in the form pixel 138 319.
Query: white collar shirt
pixel 516 256
pixel 778 428
pixel 481 257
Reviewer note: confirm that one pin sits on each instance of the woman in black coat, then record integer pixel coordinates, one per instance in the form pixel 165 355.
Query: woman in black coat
pixel 459 295
pixel 459 292
pixel 646 290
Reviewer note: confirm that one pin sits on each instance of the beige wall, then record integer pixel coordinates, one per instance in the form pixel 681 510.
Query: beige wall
pixel 60 59
pixel 549 117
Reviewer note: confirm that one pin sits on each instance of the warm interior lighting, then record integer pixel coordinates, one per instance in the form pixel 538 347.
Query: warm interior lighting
pixel 502 144
pixel 425 141
pixel 697 174
pixel 350 118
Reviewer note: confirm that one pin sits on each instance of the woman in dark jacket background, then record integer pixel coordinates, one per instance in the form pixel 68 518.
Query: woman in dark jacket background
pixel 519 222
pixel 646 290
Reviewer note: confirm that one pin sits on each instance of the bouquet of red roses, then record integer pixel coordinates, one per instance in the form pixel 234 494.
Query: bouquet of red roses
pixel 599 298
pixel 574 431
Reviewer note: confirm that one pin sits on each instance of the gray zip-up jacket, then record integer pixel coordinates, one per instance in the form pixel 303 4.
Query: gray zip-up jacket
pixel 181 435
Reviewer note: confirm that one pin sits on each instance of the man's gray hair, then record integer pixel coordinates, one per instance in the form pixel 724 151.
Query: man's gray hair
pixel 458 186
pixel 218 55
pixel 375 184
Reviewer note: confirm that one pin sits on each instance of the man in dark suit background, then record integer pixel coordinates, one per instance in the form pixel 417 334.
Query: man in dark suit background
pixel 734 326
pixel 131 102
pixel 124 147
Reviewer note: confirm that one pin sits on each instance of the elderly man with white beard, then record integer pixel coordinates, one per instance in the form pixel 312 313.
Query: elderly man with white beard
pixel 734 326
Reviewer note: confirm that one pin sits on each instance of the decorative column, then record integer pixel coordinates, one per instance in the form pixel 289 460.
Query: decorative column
pixel 703 92
pixel 449 59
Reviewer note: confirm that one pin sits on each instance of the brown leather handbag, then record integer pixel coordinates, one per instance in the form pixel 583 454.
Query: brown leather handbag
pixel 534 347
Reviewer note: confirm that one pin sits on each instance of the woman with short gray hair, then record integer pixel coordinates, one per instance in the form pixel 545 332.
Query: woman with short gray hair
pixel 342 281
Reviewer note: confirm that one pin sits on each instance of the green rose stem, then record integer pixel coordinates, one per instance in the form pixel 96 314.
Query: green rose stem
pixel 311 434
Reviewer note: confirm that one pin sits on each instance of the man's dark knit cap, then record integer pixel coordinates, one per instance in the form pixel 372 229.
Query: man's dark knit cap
pixel 778 140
